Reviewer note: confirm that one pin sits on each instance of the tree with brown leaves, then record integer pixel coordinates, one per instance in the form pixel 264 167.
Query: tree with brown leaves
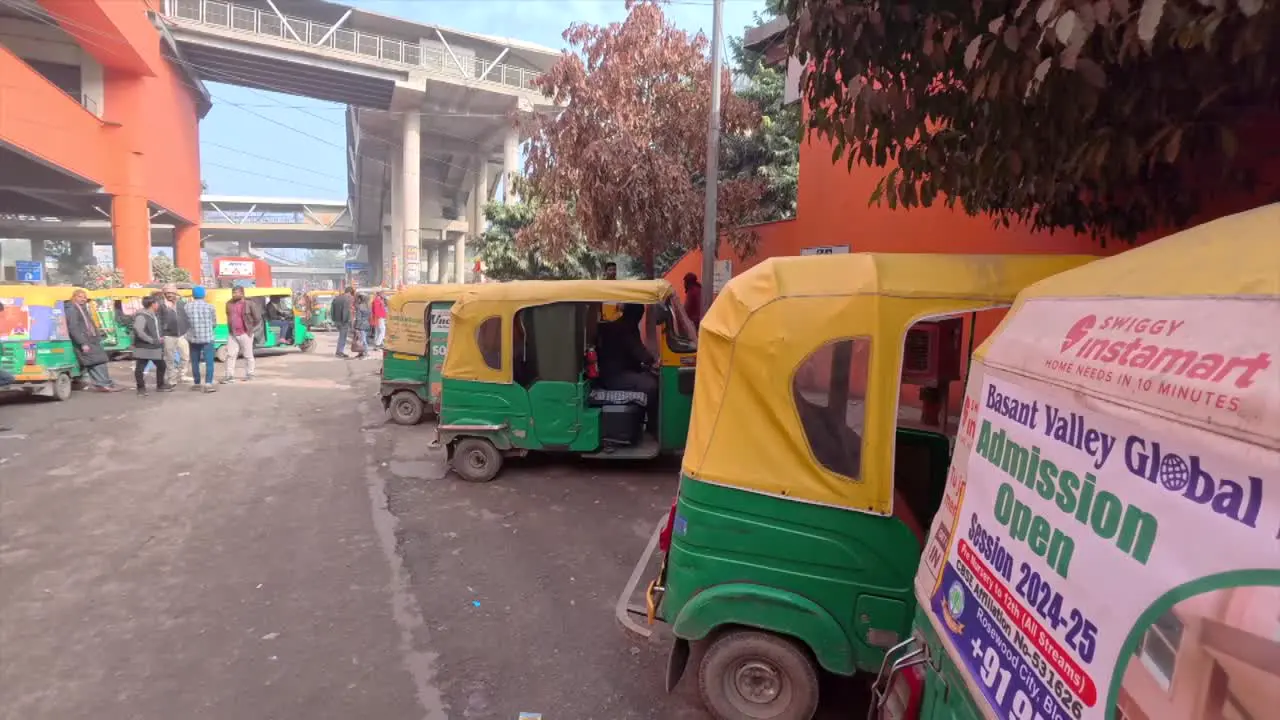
pixel 622 165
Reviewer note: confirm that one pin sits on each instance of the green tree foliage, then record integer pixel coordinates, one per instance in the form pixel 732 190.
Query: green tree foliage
pixel 771 153
pixel 97 277
pixel 504 259
pixel 1103 116
pixel 164 271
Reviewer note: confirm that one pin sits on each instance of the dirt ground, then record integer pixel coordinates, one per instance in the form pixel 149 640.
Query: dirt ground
pixel 279 550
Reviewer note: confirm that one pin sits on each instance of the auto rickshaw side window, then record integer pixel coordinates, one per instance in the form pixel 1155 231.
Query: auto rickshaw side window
pixel 829 390
pixel 489 340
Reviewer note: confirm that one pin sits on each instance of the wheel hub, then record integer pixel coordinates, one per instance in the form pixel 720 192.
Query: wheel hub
pixel 477 460
pixel 758 682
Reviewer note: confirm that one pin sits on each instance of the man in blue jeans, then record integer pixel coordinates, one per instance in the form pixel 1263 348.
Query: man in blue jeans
pixel 201 317
pixel 341 314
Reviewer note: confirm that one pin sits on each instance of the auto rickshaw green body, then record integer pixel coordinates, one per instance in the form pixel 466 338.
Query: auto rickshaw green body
pixel 34 346
pixel 316 310
pixel 418 319
pixel 516 376
pixel 797 529
pixel 268 337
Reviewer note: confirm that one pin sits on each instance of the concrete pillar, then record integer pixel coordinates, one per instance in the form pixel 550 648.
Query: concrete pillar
pixel 510 164
pixel 393 258
pixel 246 248
pixel 411 195
pixel 433 263
pixel 186 251
pixel 479 195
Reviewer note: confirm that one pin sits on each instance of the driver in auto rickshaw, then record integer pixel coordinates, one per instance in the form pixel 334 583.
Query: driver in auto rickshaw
pixel 281 317
pixel 625 361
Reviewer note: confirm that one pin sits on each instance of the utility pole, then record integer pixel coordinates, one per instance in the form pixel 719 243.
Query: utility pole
pixel 710 241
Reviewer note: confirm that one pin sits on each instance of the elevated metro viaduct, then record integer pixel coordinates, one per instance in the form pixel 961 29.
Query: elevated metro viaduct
pixel 101 100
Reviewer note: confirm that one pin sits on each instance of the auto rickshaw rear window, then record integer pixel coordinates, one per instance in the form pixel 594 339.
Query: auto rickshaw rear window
pixel 829 389
pixel 489 341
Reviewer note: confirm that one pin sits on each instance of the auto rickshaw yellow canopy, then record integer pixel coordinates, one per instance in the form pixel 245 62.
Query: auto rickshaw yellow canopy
pixel 745 430
pixel 42 295
pixel 408 315
pixel 1186 279
pixel 464 360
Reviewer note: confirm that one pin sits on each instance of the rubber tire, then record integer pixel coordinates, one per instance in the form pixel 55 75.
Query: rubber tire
pixel 62 387
pixel 220 354
pixel 800 677
pixel 308 345
pixel 468 451
pixel 406 407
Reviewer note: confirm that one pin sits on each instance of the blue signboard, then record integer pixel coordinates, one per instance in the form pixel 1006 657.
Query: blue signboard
pixel 357 267
pixel 29 271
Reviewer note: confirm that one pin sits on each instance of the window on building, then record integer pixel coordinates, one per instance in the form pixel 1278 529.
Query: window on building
pixel 489 340
pixel 66 77
pixel 1158 648
pixel 829 389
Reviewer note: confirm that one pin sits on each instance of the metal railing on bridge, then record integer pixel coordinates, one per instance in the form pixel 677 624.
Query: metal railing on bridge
pixel 227 15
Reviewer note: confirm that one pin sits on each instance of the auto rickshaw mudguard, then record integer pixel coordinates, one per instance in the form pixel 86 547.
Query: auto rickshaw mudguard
pixel 767 608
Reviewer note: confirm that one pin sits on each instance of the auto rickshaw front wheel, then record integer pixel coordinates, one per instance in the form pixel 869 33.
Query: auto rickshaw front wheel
pixel 758 675
pixel 476 460
pixel 407 408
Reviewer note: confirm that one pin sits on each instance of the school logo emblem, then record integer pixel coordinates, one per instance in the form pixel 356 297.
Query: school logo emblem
pixel 955 600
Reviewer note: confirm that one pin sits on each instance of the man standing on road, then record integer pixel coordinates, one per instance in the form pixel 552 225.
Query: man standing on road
pixel 379 319
pixel 243 320
pixel 201 317
pixel 148 346
pixel 340 314
pixel 87 339
pixel 174 327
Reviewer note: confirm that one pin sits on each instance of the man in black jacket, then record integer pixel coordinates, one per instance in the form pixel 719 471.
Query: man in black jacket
pixel 625 362
pixel 174 326
pixel 340 313
pixel 87 339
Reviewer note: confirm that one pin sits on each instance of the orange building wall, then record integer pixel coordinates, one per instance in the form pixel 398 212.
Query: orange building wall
pixel 143 151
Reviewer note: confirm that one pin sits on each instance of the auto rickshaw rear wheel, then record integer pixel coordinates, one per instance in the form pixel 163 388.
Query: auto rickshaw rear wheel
pixel 407 408
pixel 758 675
pixel 62 386
pixel 476 460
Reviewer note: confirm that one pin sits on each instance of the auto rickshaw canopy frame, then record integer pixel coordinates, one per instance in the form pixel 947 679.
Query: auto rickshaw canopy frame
pixel 41 295
pixel 479 303
pixel 407 330
pixel 745 430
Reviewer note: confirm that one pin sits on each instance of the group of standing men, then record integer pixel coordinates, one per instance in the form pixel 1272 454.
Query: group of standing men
pixel 167 329
pixel 354 315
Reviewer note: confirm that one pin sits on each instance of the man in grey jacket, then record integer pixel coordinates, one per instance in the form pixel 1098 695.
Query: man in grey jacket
pixel 174 327
pixel 340 314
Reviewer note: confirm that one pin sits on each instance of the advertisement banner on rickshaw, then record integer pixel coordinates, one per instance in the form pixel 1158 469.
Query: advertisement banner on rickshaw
pixel 439 343
pixel 1084 551
pixel 21 321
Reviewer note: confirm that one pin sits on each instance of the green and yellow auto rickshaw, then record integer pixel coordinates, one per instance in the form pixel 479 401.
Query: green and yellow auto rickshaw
pixel 418 319
pixel 34 346
pixel 269 336
pixel 315 310
pixel 115 308
pixel 809 474
pixel 522 374
pixel 1107 548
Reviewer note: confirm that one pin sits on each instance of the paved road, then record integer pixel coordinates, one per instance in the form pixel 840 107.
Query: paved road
pixel 278 550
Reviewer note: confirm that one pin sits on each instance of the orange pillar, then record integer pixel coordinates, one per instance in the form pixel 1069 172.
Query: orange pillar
pixel 186 251
pixel 131 236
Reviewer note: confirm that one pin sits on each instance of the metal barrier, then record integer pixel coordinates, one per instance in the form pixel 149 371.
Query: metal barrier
pixel 226 15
